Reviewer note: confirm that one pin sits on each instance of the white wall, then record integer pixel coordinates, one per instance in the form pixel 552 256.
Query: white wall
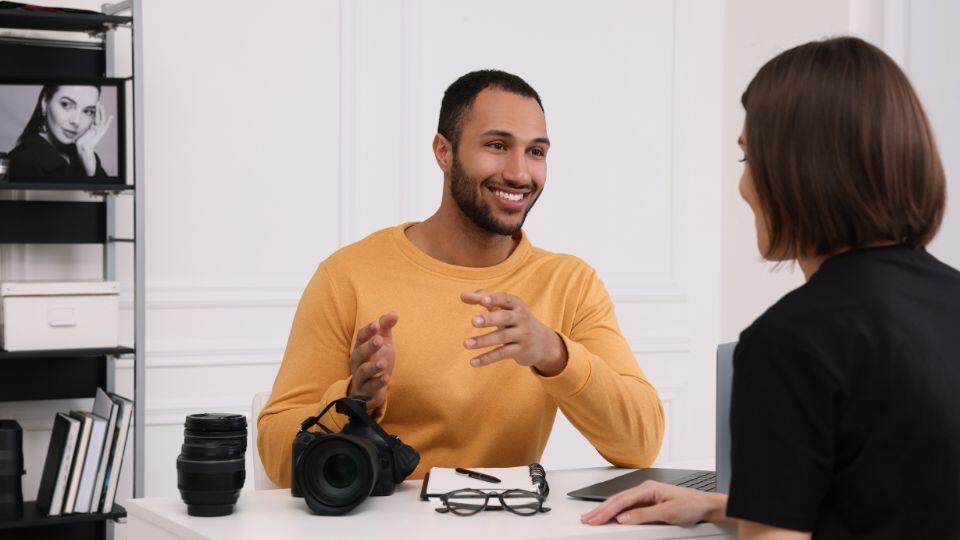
pixel 755 32
pixel 929 42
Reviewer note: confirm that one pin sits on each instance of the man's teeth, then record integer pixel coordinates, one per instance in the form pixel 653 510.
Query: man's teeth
pixel 508 196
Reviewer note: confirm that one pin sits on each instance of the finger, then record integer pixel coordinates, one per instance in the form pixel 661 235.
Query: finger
pixel 496 355
pixel 371 386
pixel 365 372
pixel 363 353
pixel 501 318
pixel 501 300
pixel 474 298
pixel 500 337
pixel 644 494
pixel 387 322
pixel 666 512
pixel 606 510
pixel 384 358
pixel 367 332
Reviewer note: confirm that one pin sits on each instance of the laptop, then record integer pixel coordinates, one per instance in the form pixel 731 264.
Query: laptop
pixel 718 481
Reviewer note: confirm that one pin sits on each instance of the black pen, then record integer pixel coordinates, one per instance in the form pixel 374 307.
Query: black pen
pixel 478 475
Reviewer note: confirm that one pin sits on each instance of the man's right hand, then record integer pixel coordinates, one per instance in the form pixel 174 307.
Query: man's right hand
pixel 372 361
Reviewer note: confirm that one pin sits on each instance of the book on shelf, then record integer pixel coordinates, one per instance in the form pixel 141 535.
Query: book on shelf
pixel 79 458
pixel 119 445
pixel 56 469
pixel 104 407
pixel 82 470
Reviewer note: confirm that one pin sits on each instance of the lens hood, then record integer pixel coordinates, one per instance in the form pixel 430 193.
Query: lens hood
pixel 336 473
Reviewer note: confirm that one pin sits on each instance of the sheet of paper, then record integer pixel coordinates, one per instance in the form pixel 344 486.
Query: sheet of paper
pixel 446 480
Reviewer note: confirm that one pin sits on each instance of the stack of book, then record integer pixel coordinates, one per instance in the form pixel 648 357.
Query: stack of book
pixel 84 458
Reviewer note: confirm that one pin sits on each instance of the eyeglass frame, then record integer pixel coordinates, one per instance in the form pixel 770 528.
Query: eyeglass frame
pixel 499 495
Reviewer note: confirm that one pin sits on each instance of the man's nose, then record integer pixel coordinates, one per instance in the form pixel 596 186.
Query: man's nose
pixel 516 170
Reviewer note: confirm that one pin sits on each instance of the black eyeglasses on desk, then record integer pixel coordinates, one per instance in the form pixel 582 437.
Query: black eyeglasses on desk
pixel 466 502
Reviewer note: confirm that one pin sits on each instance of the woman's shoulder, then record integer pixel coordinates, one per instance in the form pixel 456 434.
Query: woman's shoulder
pixel 34 147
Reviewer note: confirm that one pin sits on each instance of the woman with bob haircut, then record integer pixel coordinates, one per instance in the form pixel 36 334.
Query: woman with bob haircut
pixel 845 417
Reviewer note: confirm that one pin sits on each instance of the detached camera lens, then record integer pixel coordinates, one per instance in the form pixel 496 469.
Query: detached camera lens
pixel 337 473
pixel 210 468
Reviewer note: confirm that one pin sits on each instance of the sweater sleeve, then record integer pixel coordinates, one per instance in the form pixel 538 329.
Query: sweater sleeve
pixel 602 390
pixel 314 372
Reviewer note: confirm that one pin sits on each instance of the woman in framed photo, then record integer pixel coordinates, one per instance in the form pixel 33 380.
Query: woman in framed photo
pixel 62 135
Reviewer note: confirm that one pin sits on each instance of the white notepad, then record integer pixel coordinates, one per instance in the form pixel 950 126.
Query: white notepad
pixel 442 480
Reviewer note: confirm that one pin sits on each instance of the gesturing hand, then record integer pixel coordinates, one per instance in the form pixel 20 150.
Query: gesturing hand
pixel 372 361
pixel 87 143
pixel 520 335
pixel 653 502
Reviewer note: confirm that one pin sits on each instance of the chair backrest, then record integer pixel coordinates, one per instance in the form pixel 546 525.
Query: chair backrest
pixel 260 478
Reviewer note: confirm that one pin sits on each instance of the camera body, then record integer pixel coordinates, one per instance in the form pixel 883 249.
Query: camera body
pixel 334 472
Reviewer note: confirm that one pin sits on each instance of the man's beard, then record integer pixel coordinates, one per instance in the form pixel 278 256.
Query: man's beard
pixel 472 205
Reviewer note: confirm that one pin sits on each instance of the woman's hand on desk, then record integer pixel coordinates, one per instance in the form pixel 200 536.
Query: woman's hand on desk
pixel 653 502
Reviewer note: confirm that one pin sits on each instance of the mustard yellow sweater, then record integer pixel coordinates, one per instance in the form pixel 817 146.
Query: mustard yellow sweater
pixel 452 413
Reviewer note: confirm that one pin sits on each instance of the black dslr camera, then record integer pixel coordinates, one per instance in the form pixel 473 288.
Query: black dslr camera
pixel 334 472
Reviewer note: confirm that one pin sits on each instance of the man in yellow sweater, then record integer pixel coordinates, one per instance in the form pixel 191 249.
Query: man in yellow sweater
pixel 465 336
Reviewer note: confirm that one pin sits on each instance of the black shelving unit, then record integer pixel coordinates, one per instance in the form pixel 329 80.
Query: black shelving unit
pixel 60 21
pixel 97 187
pixel 79 372
pixel 74 373
pixel 34 525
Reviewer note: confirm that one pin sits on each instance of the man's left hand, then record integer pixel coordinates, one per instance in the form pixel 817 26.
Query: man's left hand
pixel 519 334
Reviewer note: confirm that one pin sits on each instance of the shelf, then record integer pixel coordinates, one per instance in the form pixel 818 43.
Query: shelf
pixel 36 526
pixel 66 186
pixel 53 222
pixel 65 22
pixel 54 374
pixel 67 353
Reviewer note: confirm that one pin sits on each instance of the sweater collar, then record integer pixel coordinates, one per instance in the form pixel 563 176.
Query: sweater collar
pixel 421 259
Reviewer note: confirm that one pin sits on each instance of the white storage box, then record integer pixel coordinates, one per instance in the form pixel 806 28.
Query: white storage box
pixel 47 315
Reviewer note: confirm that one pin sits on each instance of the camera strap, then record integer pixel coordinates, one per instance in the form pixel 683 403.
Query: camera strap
pixel 362 416
pixel 315 420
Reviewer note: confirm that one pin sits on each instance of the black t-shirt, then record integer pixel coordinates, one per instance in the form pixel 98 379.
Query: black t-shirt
pixel 846 402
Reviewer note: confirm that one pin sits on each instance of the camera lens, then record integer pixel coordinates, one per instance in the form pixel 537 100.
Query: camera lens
pixel 210 468
pixel 337 473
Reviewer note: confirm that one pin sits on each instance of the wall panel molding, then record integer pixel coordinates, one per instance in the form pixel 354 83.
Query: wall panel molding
pixel 187 296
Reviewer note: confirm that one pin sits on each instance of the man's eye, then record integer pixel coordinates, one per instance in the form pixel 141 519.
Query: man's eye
pixel 497 145
pixel 538 152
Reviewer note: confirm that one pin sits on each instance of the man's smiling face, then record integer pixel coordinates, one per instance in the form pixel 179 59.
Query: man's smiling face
pixel 499 166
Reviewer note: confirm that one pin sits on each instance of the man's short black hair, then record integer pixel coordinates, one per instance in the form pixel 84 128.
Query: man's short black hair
pixel 460 96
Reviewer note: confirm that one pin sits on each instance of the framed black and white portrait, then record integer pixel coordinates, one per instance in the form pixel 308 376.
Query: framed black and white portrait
pixel 63 130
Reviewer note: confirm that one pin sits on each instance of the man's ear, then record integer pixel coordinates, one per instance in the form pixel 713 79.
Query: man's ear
pixel 443 151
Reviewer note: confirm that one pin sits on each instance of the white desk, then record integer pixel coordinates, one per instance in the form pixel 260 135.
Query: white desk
pixel 275 515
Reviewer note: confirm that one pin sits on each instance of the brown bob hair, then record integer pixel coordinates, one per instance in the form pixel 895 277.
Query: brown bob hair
pixel 841 152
